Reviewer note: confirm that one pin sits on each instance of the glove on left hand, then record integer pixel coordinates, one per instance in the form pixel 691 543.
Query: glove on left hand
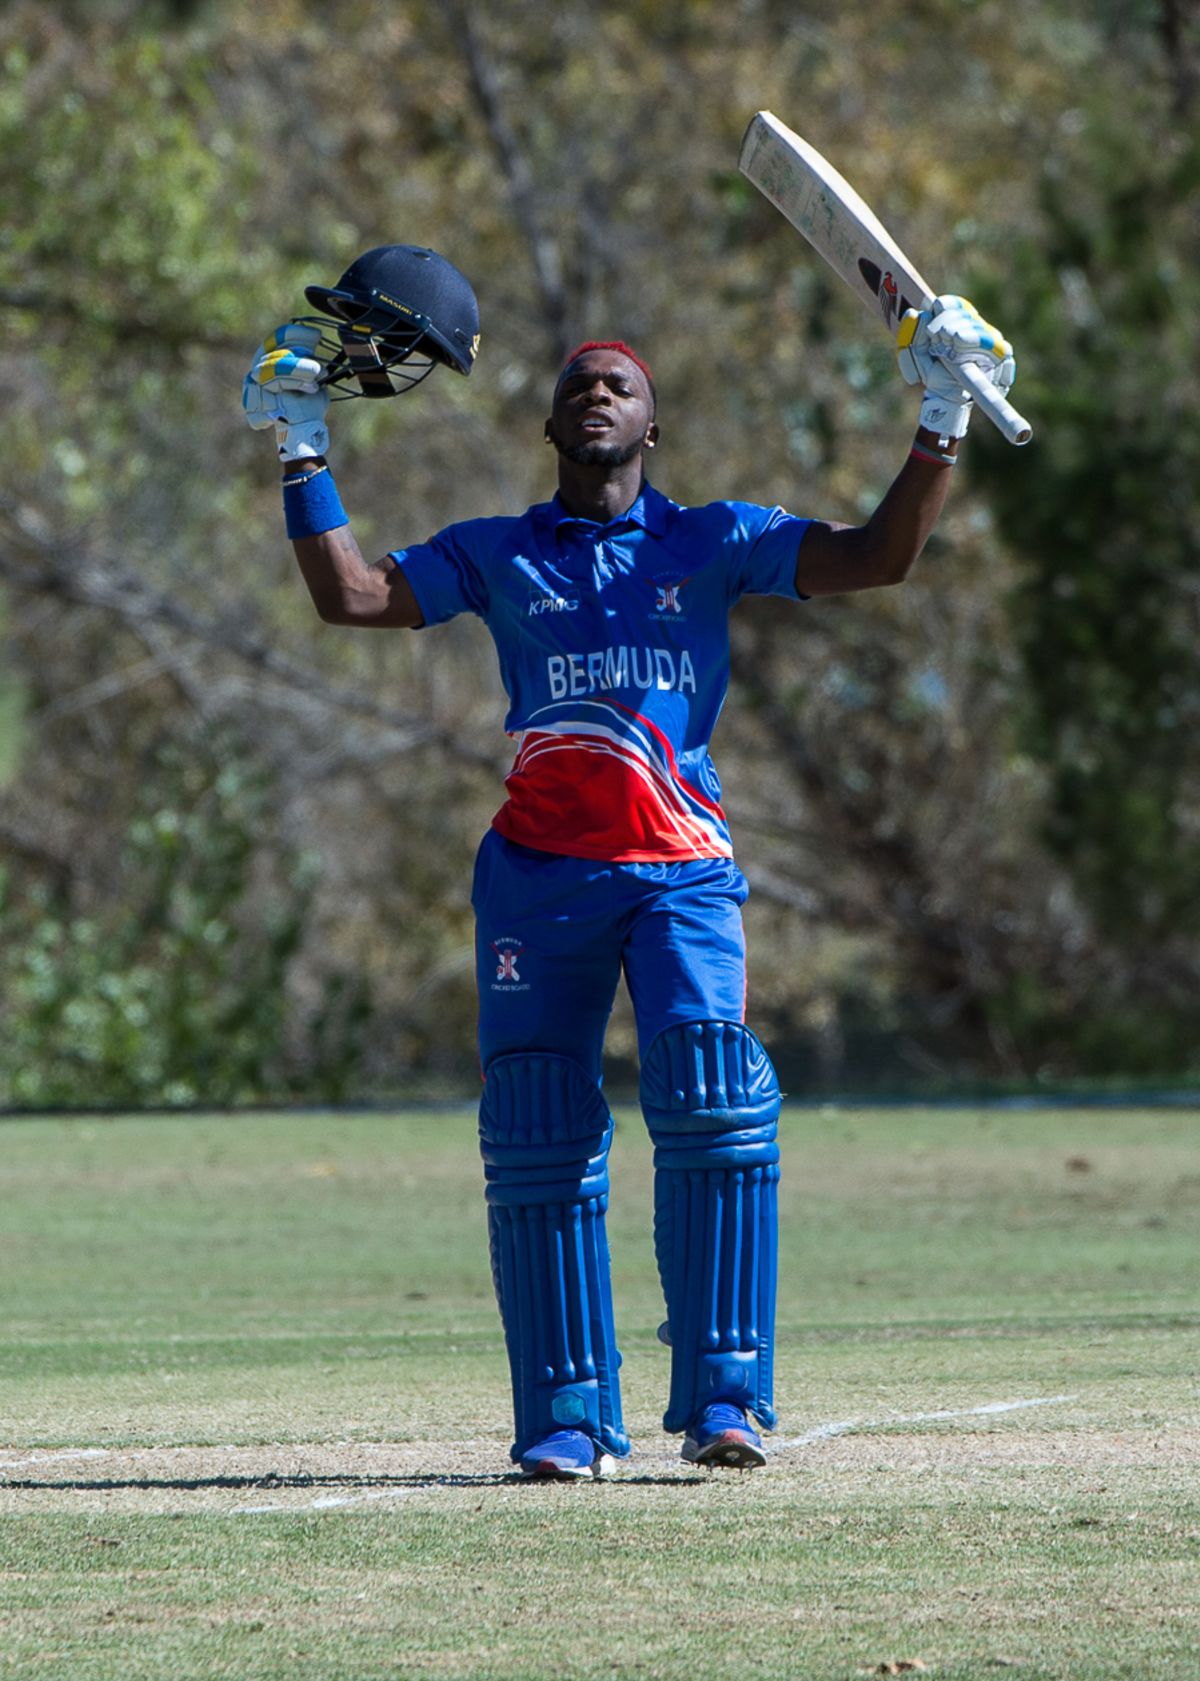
pixel 931 343
pixel 281 390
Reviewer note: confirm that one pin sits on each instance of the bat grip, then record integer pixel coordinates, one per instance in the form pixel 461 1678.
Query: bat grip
pixel 995 405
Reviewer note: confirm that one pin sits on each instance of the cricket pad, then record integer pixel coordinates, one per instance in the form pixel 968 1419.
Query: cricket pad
pixel 544 1133
pixel 711 1101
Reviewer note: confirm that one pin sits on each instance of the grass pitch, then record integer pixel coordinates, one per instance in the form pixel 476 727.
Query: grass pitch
pixel 253 1406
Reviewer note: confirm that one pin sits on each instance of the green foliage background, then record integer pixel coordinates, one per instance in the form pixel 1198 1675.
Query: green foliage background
pixel 236 845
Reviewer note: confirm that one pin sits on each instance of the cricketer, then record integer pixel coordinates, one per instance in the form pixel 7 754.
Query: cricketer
pixel 609 606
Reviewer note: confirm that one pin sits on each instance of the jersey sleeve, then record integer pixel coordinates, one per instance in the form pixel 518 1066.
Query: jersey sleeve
pixel 768 543
pixel 445 575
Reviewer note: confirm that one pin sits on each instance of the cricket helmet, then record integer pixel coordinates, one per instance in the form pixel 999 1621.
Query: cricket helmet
pixel 396 312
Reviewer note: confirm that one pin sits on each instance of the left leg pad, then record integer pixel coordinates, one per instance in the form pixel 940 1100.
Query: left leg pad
pixel 711 1102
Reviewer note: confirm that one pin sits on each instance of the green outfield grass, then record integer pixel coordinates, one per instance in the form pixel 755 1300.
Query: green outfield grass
pixel 254 1415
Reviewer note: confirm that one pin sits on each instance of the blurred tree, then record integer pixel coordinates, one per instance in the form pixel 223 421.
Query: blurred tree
pixel 172 176
pixel 175 989
pixel 1105 285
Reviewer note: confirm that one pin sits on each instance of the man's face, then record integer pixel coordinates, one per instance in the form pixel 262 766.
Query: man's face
pixel 603 412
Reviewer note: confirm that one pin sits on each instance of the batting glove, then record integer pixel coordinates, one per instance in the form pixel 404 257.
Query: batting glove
pixel 932 343
pixel 282 390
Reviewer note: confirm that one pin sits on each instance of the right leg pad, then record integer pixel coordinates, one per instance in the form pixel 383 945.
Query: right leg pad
pixel 544 1131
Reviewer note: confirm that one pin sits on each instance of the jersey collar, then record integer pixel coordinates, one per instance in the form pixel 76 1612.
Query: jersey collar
pixel 649 512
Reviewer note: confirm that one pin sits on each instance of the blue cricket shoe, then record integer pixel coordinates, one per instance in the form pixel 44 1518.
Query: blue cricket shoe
pixel 721 1434
pixel 564 1455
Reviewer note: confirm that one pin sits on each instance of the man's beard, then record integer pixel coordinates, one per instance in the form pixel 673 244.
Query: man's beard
pixel 598 454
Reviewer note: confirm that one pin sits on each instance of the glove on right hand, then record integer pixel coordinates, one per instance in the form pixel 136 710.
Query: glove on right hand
pixel 282 390
pixel 931 343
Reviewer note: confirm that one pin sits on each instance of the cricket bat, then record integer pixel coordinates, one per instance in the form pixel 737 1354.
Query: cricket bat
pixel 824 207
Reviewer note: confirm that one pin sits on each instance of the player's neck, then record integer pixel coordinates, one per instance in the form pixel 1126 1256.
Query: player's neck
pixel 599 493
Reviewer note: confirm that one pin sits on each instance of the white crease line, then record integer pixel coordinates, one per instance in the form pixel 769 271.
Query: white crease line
pixel 49 1458
pixel 819 1433
pixel 325 1501
pixel 845 1426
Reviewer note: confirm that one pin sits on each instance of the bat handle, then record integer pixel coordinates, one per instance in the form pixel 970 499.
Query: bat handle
pixel 998 409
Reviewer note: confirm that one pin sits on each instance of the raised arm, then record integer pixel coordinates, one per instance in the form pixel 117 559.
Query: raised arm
pixel 835 559
pixel 283 392
pixel 346 590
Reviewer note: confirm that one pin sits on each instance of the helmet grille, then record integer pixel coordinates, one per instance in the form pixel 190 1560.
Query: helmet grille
pixel 361 361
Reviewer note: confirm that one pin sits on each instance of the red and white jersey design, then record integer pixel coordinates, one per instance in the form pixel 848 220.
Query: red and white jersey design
pixel 598 770
pixel 614 650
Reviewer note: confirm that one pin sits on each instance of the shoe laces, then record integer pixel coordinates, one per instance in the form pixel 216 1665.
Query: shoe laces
pixel 722 1415
pixel 566 1442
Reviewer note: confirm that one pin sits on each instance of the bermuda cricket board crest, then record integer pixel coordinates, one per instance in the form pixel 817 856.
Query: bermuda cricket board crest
pixel 668 605
pixel 508 976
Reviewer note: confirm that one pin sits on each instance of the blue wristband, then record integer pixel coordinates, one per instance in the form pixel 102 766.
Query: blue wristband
pixel 311 504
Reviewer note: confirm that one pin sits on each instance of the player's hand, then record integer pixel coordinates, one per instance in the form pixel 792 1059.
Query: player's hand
pixel 282 390
pixel 932 343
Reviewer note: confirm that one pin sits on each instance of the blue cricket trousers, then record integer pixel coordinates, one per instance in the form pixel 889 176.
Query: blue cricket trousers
pixel 554 933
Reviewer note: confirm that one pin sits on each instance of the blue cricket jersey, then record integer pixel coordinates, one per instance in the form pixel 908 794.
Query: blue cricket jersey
pixel 613 643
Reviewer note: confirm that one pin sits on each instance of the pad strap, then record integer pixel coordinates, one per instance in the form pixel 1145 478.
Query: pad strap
pixel 544 1131
pixel 711 1101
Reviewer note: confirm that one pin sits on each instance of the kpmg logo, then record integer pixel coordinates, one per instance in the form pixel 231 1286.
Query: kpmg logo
pixel 539 604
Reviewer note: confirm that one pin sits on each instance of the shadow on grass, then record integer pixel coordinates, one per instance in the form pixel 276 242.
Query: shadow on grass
pixel 429 1479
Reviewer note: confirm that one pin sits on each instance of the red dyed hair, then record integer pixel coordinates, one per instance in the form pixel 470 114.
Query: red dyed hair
pixel 609 344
